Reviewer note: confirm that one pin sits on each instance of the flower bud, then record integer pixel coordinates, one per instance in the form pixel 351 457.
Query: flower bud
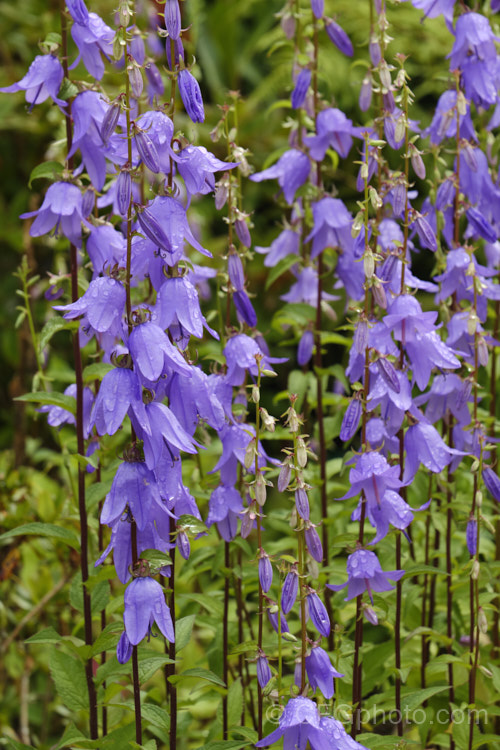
pixel 361 336
pixel 471 536
pixel 305 348
pixel 123 192
pixel 268 422
pixel 173 19
pixel 482 622
pixel 183 544
pixel 110 122
pixel 289 590
pixel 365 94
pixel 255 394
pixel 479 499
pixel 492 482
pixel 124 13
pixel 375 198
pixel 263 671
pixel 250 454
pixel 350 422
pixel 400 128
pixel 260 489
pixel 482 351
pixel 190 92
pixel 241 228
pixel 417 162
pixel 368 264
pixel 265 572
pixel 284 475
pixel 247 521
pixel 370 614
pixel 389 374
pixel 476 568
pixel 302 503
pixel 472 322
pixel 385 75
pixel 301 453
pixel 135 78
pixel 152 229
pixel 313 543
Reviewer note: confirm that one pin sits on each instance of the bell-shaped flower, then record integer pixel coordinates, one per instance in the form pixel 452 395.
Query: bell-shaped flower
pixel 286 243
pixel 165 431
pixel 305 288
pixel 58 416
pixel 145 604
pixel 364 573
pixel 444 121
pixel 152 351
pixel 290 590
pixel 102 305
pixel 320 671
pixel 335 737
pixel 88 111
pixel 332 226
pixel 120 388
pixel 447 393
pixel 242 354
pixel 121 545
pixel 333 130
pixel 435 8
pixel 224 508
pixel 291 170
pixel 134 485
pixel 42 80
pixel 299 724
pixel 424 445
pixel 194 399
pixel 93 40
pixel 61 210
pixel 178 309
pixel 197 166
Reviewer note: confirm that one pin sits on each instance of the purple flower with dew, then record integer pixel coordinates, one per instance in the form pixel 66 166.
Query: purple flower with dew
pixel 339 37
pixel 423 444
pixel 61 210
pixel 435 8
pixel 190 92
pixel 120 388
pixel 332 226
pixel 197 166
pixel 102 305
pixel 364 573
pixel 302 83
pixel 43 80
pixel 137 48
pixel 235 442
pixel 265 571
pixel 241 353
pixel 224 508
pixel 471 536
pixel 335 737
pixel 313 542
pixel 317 613
pixel 78 11
pixel 194 399
pixel 163 431
pixel 156 87
pixel 263 670
pixel 286 243
pixel 152 350
pixel 145 604
pixel 333 130
pixel 94 125
pixel 121 543
pixel 289 590
pixel 172 19
pixel 178 309
pixel 159 130
pixel 93 40
pixel 291 170
pixel 479 226
pixel 492 482
pixel 320 672
pixel 305 347
pixel 134 485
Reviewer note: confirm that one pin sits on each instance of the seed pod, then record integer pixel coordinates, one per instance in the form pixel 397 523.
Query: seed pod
pixel 260 490
pixel 135 78
pixel 417 162
pixel 284 476
pixel 482 622
pixel 476 569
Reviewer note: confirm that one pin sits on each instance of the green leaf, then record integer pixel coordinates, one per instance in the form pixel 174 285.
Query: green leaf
pixel 156 558
pixel 150 745
pixel 44 529
pixel 70 737
pixel 155 715
pixel 373 741
pixel 192 524
pixel 96 492
pixel 67 90
pixel 234 703
pixel 225 745
pixel 108 638
pixel 50 399
pixel 201 674
pixel 49 169
pixel 280 268
pixel 47 635
pixel 411 701
pixel 99 594
pixel 183 629
pixel 19 745
pixel 96 371
pixel 54 325
pixel 70 681
pixel 150 665
pixel 243 648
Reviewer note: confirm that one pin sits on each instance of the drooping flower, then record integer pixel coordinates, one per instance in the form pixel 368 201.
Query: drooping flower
pixel 224 508
pixel 299 724
pixel 339 37
pixel 61 210
pixel 364 573
pixel 93 40
pixel 145 604
pixel 333 130
pixel 291 170
pixel 42 80
pixel 102 305
pixel 133 485
pixel 320 671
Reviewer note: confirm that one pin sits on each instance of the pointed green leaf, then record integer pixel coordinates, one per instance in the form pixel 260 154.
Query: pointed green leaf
pixel 54 325
pixel 50 399
pixel 44 529
pixel 183 629
pixel 49 169
pixel 47 635
pixel 70 681
pixel 201 674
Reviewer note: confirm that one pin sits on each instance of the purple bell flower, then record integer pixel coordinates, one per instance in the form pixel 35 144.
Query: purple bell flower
pixel 133 485
pixel 492 482
pixel 286 243
pixel 151 350
pixel 263 671
pixel 145 604
pixel 320 672
pixel 299 724
pixel 173 19
pixel 93 39
pixel 103 305
pixel 178 309
pixel 78 11
pixel 197 166
pixel 291 170
pixel 244 308
pixel 302 83
pixel 332 226
pixel 333 130
pixel 240 353
pixel 365 574
pixel 42 80
pixel 61 210
pixel 305 348
pixel 119 389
